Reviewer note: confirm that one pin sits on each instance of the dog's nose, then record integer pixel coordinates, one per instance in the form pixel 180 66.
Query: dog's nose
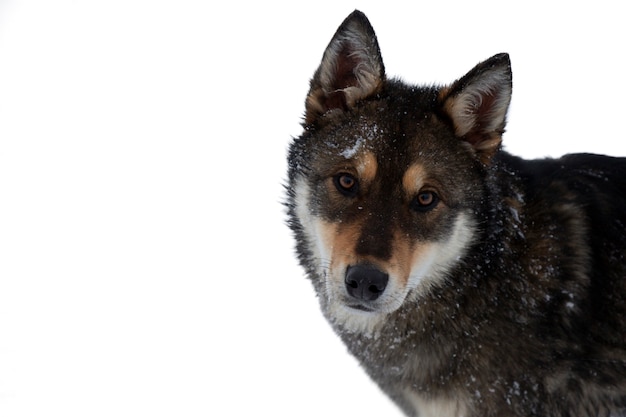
pixel 365 282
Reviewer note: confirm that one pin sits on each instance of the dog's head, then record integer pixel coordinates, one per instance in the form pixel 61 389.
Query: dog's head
pixel 386 182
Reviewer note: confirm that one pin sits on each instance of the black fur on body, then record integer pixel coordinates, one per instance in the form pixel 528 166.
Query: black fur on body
pixel 530 318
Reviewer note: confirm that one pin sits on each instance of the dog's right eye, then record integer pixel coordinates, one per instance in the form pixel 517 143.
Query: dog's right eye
pixel 346 184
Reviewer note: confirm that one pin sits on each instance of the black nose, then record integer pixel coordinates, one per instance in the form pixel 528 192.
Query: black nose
pixel 365 282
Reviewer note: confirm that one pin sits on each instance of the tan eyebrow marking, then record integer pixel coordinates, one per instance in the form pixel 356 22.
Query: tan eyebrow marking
pixel 413 179
pixel 367 166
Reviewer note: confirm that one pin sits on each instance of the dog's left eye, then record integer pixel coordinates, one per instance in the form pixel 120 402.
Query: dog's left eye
pixel 425 201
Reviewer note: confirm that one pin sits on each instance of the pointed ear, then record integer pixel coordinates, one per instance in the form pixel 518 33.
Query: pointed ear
pixel 351 69
pixel 478 102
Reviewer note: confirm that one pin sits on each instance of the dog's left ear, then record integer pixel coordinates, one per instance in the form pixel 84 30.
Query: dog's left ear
pixel 477 104
pixel 351 69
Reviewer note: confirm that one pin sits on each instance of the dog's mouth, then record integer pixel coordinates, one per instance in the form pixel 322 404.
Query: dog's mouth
pixel 361 307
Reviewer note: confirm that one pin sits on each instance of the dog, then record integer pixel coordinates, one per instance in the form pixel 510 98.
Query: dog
pixel 466 281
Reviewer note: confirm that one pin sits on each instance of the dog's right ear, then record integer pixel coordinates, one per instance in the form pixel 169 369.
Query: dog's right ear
pixel 351 69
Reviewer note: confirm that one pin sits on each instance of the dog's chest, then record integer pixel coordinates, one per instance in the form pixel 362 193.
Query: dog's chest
pixel 403 364
pixel 435 407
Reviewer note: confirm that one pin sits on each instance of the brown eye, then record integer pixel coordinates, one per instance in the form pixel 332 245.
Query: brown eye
pixel 346 184
pixel 425 201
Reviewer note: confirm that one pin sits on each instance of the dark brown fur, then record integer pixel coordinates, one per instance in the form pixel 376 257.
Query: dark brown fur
pixel 531 319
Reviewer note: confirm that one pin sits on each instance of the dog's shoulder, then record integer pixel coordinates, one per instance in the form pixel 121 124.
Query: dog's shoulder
pixel 595 184
pixel 571 168
pixel 573 222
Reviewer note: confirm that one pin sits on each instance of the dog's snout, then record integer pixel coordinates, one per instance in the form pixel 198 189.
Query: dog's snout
pixel 365 282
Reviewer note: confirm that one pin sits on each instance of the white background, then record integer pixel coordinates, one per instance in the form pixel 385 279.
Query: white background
pixel 145 269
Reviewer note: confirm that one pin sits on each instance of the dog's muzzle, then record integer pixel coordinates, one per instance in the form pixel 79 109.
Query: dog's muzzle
pixel 365 282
